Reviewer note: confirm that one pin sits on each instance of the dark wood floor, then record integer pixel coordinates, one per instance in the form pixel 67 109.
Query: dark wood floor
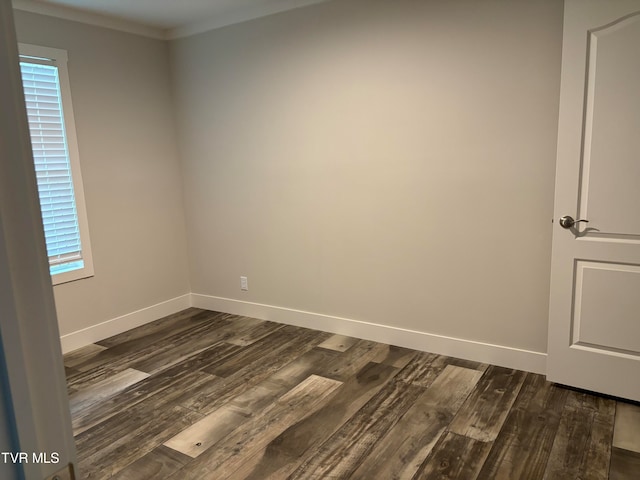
pixel 204 395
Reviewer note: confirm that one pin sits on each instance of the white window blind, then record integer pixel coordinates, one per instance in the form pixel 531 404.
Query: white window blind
pixel 46 92
pixel 53 169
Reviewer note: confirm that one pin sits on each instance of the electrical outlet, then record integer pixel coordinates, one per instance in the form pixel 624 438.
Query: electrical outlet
pixel 244 284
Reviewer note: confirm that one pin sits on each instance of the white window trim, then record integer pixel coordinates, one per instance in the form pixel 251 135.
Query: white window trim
pixel 59 58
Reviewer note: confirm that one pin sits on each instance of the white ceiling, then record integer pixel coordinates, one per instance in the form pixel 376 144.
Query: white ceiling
pixel 175 18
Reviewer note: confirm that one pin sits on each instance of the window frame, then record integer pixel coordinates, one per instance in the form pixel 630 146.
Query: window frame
pixel 59 58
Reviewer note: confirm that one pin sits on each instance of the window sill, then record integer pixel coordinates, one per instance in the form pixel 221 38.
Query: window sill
pixel 71 275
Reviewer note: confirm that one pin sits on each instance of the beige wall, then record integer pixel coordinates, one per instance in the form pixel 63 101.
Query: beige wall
pixel 124 120
pixel 390 162
pixel 385 161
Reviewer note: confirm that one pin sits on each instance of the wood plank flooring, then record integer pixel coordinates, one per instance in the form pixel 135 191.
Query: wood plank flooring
pixel 206 395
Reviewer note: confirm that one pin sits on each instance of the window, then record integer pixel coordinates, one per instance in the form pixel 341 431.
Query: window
pixel 55 152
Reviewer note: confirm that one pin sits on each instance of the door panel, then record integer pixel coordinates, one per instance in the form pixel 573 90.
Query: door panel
pixel 594 307
pixel 606 307
pixel 611 146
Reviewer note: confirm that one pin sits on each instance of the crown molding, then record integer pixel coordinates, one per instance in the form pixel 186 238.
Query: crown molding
pixel 115 23
pixel 82 16
pixel 237 16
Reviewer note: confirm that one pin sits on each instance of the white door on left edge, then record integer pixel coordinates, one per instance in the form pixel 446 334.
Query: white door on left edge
pixel 594 321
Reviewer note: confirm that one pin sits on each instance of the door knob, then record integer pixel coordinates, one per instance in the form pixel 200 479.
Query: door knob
pixel 567 221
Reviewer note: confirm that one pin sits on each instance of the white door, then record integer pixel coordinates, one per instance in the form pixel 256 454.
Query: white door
pixel 36 439
pixel 594 320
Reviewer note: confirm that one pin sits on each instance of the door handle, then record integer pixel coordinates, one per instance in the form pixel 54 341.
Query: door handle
pixel 567 221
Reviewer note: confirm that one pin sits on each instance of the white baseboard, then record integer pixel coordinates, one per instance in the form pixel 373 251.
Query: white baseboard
pixel 500 355
pixel 81 338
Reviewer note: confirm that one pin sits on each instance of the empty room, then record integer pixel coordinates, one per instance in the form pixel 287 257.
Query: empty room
pixel 320 239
